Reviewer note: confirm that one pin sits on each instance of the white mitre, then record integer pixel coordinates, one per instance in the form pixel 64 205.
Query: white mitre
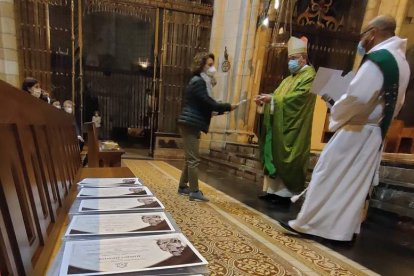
pixel 297 45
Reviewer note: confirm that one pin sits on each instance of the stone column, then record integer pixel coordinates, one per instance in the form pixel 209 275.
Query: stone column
pixel 234 27
pixel 407 27
pixel 262 39
pixel 9 65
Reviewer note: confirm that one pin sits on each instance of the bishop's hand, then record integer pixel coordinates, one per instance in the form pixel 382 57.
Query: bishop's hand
pixel 263 98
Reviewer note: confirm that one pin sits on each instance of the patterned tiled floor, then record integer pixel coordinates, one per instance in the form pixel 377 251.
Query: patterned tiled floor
pixel 235 239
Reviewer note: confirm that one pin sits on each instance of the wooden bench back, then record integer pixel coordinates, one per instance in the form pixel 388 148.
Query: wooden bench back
pixel 393 139
pixel 39 157
pixel 93 145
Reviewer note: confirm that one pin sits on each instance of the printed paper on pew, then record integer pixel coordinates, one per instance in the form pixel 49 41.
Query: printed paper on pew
pixel 135 255
pixel 115 224
pixel 88 192
pixel 109 182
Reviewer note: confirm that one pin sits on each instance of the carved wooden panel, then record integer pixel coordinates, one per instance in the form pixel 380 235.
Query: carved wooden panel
pixel 332 28
pixel 11 262
pixel 47 171
pixel 332 15
pixel 18 194
pixel 63 176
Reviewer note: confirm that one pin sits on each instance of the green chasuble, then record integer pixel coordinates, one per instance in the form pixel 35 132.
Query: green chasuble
pixel 285 143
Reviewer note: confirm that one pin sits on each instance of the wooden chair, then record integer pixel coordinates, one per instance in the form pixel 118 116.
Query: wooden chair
pixel 407 141
pixel 393 139
pixel 98 157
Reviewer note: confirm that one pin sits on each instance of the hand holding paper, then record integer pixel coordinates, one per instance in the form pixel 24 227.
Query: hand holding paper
pixel 235 106
pixel 242 102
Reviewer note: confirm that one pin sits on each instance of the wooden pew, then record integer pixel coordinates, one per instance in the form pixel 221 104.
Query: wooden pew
pixel 39 158
pixel 99 157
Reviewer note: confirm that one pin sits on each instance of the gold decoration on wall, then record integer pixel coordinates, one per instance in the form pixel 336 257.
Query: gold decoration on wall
pixel 317 14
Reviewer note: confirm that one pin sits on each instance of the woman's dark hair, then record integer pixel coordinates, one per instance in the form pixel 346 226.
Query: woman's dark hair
pixel 29 83
pixel 199 61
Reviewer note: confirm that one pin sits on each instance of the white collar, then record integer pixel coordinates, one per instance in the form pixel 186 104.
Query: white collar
pixel 381 45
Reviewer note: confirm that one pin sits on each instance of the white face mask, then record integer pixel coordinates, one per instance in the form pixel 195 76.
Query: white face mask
pixel 36 92
pixel 68 110
pixel 58 106
pixel 211 71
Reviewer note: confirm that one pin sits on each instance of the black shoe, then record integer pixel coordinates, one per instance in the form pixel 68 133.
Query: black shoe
pixel 292 231
pixel 288 228
pixel 266 196
pixel 280 200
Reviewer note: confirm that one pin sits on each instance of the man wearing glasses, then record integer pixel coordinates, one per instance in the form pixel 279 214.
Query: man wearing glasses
pixel 349 164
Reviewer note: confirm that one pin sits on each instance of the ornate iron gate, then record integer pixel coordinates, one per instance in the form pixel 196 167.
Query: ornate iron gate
pixel 123 98
pixel 184 35
pixel 53 47
pixel 155 90
pixel 34 40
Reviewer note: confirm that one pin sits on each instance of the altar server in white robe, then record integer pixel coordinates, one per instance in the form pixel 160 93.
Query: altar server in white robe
pixel 349 164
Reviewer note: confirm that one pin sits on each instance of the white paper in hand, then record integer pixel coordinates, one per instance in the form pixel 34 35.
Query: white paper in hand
pixel 322 78
pixel 331 83
pixel 337 86
pixel 242 102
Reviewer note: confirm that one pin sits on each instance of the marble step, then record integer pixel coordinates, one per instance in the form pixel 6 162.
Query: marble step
pixel 395 193
pixel 250 160
pixel 242 170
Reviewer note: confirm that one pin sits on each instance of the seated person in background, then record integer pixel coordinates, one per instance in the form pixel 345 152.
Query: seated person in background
pixel 96 119
pixel 56 104
pixel 68 107
pixel 32 86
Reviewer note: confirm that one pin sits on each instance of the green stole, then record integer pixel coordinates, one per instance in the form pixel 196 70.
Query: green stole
pixel 389 68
